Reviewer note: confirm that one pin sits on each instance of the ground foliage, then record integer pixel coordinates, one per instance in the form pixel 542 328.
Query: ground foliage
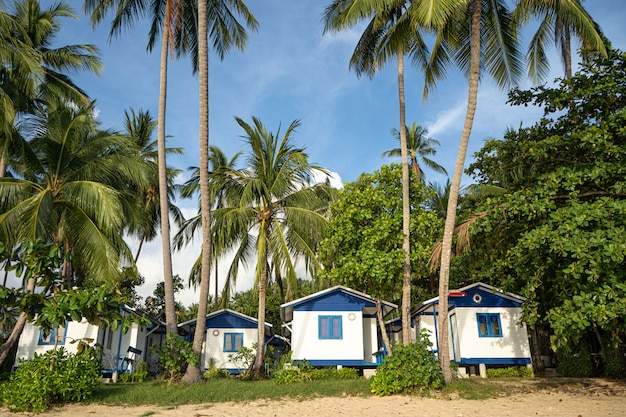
pixel 557 235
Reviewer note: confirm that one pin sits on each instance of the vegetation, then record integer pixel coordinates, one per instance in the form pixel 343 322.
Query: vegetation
pixel 56 377
pixel 412 368
pixel 173 366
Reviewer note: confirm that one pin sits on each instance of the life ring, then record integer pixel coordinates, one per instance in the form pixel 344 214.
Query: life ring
pixel 477 298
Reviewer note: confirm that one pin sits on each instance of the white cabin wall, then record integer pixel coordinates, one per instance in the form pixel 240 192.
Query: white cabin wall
pixel 306 345
pixel 214 346
pixel 512 344
pixel 370 339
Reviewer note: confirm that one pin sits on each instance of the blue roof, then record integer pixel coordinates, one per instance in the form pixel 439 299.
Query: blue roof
pixel 476 295
pixel 337 298
pixel 227 319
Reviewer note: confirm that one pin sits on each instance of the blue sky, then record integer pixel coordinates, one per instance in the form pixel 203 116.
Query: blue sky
pixel 291 70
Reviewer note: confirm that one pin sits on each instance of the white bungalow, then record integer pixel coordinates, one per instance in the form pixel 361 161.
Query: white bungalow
pixel 486 326
pixel 227 331
pixel 335 327
pixel 117 346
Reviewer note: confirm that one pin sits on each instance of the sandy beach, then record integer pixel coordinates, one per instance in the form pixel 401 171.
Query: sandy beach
pixel 602 398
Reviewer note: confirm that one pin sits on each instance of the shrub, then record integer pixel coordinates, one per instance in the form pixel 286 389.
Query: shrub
pixel 291 375
pixel 174 365
pixel 54 377
pixel 574 361
pixel 214 372
pixel 412 368
pixel 511 371
pixel 139 374
pixel 243 359
pixel 613 362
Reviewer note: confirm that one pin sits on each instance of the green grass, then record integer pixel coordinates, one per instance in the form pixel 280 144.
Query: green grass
pixel 220 390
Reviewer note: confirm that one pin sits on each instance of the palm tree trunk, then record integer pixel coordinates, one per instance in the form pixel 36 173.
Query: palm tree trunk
pixel 170 308
pixel 216 286
pixel 406 210
pixel 446 252
pixel 381 325
pixel 257 369
pixel 566 52
pixel 193 374
pixel 143 239
pixel 14 337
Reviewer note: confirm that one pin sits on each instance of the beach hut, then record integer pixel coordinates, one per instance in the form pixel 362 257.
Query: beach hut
pixel 486 327
pixel 335 327
pixel 227 331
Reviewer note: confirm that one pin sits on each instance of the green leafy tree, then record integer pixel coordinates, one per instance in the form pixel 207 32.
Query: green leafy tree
pixel 557 237
pixel 278 215
pixel 363 247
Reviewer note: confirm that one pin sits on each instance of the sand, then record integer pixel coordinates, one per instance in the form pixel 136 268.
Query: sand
pixel 599 399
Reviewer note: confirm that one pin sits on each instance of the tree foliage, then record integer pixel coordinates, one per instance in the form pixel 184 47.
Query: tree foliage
pixel 558 236
pixel 363 247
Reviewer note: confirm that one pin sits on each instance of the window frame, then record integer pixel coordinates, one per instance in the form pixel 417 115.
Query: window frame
pixel 232 336
pixel 329 327
pixel 488 320
pixel 53 337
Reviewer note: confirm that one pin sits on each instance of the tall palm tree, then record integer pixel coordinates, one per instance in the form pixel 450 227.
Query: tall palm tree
pixel 170 19
pixel 558 21
pixel 419 145
pixel 145 216
pixel 389 33
pixel 462 39
pixel 33 69
pixel 278 216
pixel 226 32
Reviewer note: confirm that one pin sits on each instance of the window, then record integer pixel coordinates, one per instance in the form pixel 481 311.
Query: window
pixel 330 327
pixel 233 342
pixel 55 336
pixel 489 325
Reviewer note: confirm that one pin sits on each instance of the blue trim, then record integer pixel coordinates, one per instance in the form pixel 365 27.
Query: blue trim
pixel 52 337
pixel 329 326
pixel 342 362
pixel 494 361
pixel 489 321
pixel 233 341
pixel 337 300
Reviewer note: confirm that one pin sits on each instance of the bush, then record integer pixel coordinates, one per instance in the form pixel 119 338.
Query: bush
pixel 174 365
pixel 214 372
pixel 412 368
pixel 574 361
pixel 512 371
pixel 139 374
pixel 613 362
pixel 55 377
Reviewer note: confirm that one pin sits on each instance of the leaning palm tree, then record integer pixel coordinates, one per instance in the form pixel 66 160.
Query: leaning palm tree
pixel 419 147
pixel 479 35
pixel 32 70
pixel 558 21
pixel 170 19
pixel 390 33
pixel 278 217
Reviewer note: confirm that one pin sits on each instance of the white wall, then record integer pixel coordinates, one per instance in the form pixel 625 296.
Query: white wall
pixel 370 339
pixel 305 343
pixel 214 346
pixel 512 344
pixel 28 343
pixel 427 322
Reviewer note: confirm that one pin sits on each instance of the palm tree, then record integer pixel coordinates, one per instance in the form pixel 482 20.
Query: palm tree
pixel 226 31
pixel 419 146
pixel 218 162
pixel 70 194
pixel 145 215
pixel 389 33
pixel 462 39
pixel 278 216
pixel 171 19
pixel 34 70
pixel 558 21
